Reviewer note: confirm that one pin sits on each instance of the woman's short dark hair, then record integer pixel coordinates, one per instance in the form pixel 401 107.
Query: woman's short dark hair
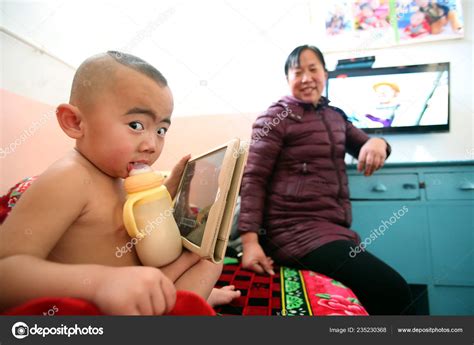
pixel 293 59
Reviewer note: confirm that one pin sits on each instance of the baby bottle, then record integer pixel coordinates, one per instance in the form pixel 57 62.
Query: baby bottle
pixel 148 217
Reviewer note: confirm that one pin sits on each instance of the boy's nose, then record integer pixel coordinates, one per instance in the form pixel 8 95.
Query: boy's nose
pixel 148 144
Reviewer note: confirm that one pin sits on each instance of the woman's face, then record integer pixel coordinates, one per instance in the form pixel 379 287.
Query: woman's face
pixel 307 81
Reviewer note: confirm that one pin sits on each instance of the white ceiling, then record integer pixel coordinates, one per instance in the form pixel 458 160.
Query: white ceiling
pixel 214 53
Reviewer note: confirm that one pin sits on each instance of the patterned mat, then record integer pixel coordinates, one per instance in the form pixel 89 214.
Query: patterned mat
pixel 289 292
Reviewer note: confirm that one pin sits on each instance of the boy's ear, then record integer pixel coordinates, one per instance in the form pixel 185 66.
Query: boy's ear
pixel 70 119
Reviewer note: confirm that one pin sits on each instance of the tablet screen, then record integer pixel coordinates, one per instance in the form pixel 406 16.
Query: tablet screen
pixel 197 194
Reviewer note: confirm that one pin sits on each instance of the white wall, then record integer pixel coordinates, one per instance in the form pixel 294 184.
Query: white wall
pixel 30 73
pixel 219 57
pixel 458 143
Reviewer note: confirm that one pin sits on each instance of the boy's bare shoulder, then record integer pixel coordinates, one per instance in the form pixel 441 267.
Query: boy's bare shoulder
pixel 72 167
pixel 46 210
pixel 67 176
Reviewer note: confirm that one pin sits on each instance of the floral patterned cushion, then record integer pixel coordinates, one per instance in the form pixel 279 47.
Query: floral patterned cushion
pixel 290 292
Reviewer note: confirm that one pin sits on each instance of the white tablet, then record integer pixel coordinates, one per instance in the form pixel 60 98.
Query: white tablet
pixel 205 200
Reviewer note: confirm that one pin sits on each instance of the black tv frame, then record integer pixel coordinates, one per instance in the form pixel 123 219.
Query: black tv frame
pixel 356 72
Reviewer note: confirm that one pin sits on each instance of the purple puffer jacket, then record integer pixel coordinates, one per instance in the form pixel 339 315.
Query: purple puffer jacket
pixel 295 188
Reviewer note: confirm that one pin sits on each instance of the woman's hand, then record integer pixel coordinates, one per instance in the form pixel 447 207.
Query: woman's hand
pixel 254 259
pixel 372 156
pixel 172 181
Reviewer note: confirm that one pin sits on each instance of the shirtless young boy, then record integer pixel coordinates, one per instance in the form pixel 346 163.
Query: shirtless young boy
pixel 61 237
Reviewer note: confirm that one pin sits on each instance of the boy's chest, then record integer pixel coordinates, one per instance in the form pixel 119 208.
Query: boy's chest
pixel 99 231
pixel 105 209
pixel 105 215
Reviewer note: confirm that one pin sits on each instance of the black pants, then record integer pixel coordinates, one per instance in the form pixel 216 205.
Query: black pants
pixel 380 289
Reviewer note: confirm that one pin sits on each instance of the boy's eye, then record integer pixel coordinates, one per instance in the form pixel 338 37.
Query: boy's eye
pixel 137 126
pixel 162 131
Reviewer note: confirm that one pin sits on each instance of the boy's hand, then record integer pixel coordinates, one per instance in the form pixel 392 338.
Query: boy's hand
pixel 134 291
pixel 172 182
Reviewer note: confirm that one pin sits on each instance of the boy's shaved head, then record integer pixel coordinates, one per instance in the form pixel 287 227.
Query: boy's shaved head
pixel 98 73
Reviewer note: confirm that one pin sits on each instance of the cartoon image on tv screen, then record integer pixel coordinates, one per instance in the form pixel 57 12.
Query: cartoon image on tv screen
pixel 387 104
pixel 392 100
pixel 197 195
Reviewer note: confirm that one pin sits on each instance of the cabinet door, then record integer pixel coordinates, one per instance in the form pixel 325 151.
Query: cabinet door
pixel 384 187
pixel 402 240
pixel 450 186
pixel 452 242
pixel 451 300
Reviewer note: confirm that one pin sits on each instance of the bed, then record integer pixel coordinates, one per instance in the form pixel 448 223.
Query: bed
pixel 289 292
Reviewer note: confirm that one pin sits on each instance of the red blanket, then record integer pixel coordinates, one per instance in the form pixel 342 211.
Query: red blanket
pixel 187 303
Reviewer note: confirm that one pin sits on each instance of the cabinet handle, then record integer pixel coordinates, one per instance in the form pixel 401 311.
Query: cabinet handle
pixel 466 185
pixel 379 187
pixel 409 186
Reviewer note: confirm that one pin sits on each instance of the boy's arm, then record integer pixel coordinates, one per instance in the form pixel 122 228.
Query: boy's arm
pixel 25 277
pixel 45 211
pixel 42 215
pixel 35 225
pixel 115 290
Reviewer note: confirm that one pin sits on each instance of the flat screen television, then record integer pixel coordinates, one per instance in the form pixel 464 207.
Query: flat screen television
pixel 399 99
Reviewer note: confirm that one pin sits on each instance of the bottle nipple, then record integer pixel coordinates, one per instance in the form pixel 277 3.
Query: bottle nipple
pixel 139 168
pixel 142 177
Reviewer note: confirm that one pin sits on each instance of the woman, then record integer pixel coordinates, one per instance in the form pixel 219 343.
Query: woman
pixel 295 190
